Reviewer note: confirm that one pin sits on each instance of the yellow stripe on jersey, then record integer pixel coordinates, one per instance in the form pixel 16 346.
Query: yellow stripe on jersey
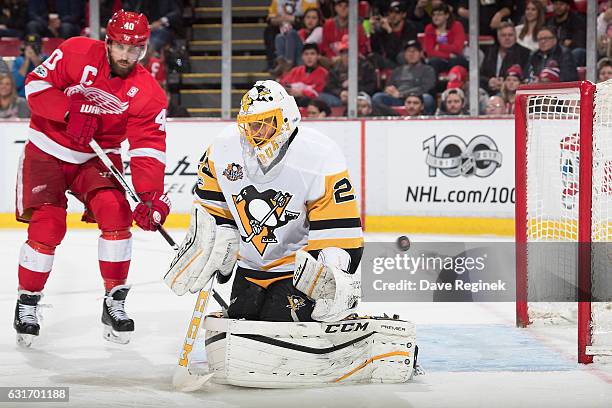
pixel 264 283
pixel 217 211
pixel 346 243
pixel 338 201
pixel 207 177
pixel 285 260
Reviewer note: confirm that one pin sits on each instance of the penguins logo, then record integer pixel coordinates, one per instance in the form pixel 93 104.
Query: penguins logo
pixel 233 172
pixel 258 93
pixel 261 214
pixel 295 302
pixel 203 170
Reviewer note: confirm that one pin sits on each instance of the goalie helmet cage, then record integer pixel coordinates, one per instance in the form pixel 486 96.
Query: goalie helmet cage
pixel 561 127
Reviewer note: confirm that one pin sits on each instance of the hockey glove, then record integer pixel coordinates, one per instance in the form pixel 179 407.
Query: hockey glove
pixel 152 211
pixel 326 281
pixel 83 120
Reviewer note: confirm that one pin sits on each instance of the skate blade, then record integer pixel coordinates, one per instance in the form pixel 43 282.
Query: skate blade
pixel 25 340
pixel 115 336
pixel 184 381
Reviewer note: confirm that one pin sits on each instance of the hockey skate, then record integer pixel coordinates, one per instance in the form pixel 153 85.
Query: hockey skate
pixel 118 327
pixel 26 317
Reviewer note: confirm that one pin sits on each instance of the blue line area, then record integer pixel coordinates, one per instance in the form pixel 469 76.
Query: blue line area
pixel 457 348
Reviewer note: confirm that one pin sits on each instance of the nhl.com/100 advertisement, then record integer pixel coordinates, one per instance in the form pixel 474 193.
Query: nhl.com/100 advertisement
pixel 452 168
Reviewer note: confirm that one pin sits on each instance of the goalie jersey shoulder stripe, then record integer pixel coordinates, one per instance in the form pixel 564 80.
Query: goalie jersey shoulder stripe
pixel 311 203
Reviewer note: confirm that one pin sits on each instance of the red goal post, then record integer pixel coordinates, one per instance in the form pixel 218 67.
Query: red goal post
pixel 554 129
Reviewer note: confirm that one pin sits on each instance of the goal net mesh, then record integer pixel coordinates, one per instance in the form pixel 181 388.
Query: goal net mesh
pixel 553 213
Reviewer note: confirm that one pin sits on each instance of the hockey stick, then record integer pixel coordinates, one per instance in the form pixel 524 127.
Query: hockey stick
pixel 182 380
pixel 119 177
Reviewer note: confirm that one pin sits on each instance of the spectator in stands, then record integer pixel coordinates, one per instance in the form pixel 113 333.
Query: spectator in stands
pixel 318 109
pixel 414 105
pixel 533 19
pixel 30 58
pixel 495 106
pixel 11 105
pixel 365 107
pixel 412 77
pixel 550 73
pixel 604 69
pixel 549 50
pixel 500 57
pixel 452 102
pixel 283 15
pixel 444 40
pixel 337 81
pixel 491 13
pixel 63 20
pixel 334 30
pixel 165 19
pixel 458 78
pixel 289 42
pixel 155 66
pixel 512 80
pixel 13 18
pixel 419 11
pixel 306 82
pixel 570 29
pixel 604 31
pixel 390 33
pixel 4 68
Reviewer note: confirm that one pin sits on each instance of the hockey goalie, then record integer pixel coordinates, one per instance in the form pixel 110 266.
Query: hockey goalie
pixel 280 195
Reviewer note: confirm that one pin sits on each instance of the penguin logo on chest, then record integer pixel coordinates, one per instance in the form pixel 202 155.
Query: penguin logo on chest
pixel 261 214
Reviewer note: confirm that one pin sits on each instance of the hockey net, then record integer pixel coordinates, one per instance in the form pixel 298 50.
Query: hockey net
pixel 564 210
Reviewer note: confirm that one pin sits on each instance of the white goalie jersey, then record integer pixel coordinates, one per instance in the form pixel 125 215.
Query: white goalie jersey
pixel 309 203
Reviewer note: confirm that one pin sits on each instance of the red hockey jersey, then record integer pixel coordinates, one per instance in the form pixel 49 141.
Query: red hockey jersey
pixel 132 108
pixel 156 68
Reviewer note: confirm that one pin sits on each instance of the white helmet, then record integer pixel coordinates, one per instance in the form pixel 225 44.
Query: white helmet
pixel 267 118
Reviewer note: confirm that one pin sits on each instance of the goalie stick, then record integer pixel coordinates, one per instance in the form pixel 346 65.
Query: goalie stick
pixel 183 380
pixel 119 177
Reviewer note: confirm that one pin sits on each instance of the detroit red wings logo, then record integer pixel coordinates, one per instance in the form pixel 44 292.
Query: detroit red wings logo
pixel 108 103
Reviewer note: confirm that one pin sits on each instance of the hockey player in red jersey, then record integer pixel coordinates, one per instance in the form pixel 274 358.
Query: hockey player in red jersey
pixel 89 89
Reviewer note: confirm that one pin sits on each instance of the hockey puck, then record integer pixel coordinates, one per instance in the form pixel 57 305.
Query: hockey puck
pixel 403 243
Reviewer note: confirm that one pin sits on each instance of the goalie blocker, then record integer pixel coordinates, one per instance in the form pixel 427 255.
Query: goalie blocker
pixel 288 354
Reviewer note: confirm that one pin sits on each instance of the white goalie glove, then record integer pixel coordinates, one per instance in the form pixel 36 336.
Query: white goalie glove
pixel 326 281
pixel 207 248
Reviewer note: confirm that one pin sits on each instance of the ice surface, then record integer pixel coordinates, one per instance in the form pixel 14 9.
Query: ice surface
pixel 473 355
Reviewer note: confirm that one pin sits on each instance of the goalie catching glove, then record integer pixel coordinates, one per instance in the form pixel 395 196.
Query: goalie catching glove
pixel 326 280
pixel 207 248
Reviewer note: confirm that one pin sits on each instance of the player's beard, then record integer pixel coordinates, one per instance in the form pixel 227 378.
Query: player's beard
pixel 121 68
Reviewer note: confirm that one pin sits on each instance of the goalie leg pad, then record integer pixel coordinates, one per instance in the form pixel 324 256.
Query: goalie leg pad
pixel 206 249
pixel 290 355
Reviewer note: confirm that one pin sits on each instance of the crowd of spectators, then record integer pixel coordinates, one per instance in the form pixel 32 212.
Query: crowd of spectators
pixel 32 20
pixel 413 53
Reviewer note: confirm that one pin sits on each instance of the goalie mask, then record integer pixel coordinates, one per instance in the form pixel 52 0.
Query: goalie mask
pixel 268 117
